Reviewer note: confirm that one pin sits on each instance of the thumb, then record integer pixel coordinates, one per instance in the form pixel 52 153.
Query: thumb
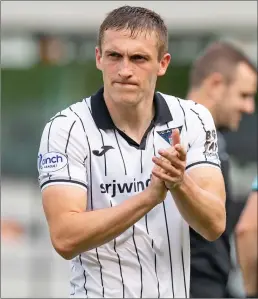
pixel 175 137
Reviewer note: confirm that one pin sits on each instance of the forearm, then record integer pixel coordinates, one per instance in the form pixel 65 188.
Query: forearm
pixel 201 209
pixel 246 243
pixel 83 231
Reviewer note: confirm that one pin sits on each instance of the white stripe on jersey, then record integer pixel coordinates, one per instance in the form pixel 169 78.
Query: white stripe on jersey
pixel 152 258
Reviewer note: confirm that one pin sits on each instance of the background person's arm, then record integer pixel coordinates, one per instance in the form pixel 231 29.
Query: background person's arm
pixel 246 244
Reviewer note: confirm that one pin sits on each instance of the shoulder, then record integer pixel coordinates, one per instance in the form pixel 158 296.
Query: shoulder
pixel 172 101
pixel 67 123
pixel 72 114
pixel 190 108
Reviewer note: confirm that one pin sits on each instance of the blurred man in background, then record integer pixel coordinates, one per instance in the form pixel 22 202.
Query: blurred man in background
pixel 246 244
pixel 223 80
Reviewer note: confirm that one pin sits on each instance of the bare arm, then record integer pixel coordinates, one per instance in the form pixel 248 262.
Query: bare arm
pixel 201 200
pixel 246 243
pixel 74 230
pixel 199 194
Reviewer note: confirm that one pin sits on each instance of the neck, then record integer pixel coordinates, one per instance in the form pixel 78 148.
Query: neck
pixel 133 120
pixel 200 96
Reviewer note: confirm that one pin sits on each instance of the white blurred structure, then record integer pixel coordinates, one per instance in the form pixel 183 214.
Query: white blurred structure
pixel 30 267
pixel 219 16
pixel 232 20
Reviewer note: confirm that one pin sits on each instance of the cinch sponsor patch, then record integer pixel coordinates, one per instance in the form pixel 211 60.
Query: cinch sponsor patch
pixel 50 162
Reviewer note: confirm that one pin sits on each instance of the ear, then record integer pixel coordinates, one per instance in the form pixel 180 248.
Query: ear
pixel 98 58
pixel 215 80
pixel 215 85
pixel 163 65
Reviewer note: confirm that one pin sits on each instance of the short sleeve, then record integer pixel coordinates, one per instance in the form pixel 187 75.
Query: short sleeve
pixel 63 153
pixel 255 185
pixel 202 137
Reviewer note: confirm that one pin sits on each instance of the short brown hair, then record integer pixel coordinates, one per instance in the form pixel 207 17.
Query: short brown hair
pixel 136 19
pixel 220 57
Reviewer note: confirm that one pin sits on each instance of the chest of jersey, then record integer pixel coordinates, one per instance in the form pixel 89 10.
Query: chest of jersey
pixel 116 169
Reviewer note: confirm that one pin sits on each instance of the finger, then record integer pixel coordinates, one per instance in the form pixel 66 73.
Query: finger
pixel 172 150
pixel 175 137
pixel 181 151
pixel 172 158
pixel 166 166
pixel 163 176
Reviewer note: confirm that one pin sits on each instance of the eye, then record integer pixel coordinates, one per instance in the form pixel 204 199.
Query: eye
pixel 114 55
pixel 246 96
pixel 138 58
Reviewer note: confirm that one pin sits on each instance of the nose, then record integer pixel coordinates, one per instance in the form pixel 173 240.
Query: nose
pixel 249 106
pixel 125 70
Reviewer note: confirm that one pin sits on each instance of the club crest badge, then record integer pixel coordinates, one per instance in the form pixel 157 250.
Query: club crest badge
pixel 167 134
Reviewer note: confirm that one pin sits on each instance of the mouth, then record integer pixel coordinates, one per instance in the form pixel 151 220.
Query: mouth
pixel 126 84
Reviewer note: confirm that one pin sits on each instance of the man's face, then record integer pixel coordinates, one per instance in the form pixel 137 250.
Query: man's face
pixel 130 65
pixel 238 97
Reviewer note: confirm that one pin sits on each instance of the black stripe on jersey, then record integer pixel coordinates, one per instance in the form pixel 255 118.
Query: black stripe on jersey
pixel 119 261
pixel 169 249
pixel 79 119
pixel 91 199
pixel 84 274
pixel 183 266
pixel 120 152
pixel 183 112
pixel 168 234
pixel 120 267
pixel 136 250
pixel 105 160
pixel 154 151
pixel 170 258
pixel 202 162
pixel 152 241
pixel 138 257
pixel 202 126
pixel 83 130
pixel 155 256
pixel 155 264
pixel 85 100
pixel 63 181
pixel 101 276
pixel 67 142
pixel 141 162
pixel 48 138
pixel 184 120
pixel 59 115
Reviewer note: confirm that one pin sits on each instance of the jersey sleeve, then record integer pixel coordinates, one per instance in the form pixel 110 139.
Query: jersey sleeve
pixel 63 153
pixel 202 137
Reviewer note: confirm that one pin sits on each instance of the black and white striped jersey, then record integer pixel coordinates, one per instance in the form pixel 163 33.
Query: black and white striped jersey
pixel 81 146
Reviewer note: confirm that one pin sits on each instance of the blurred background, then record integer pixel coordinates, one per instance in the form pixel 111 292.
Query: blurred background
pixel 47 63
